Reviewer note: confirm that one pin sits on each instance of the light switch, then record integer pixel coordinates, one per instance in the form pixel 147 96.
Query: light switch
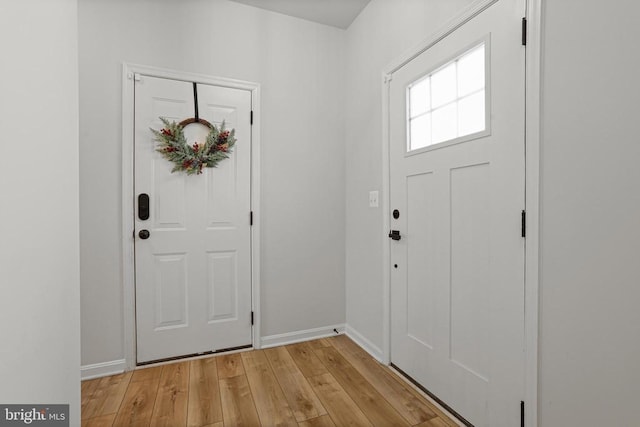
pixel 373 199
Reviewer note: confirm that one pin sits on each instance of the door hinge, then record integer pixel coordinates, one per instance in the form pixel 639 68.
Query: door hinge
pixel 251 218
pixel 523 225
pixel 522 413
pixel 252 318
pixel 251 117
pixel 524 31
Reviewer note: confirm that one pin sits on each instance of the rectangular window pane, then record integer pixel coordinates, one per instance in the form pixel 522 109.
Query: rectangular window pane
pixel 471 118
pixel 445 123
pixel 419 98
pixel 443 86
pixel 450 102
pixel 420 129
pixel 471 72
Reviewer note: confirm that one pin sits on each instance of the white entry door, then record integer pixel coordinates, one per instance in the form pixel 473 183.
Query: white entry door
pixel 457 182
pixel 193 271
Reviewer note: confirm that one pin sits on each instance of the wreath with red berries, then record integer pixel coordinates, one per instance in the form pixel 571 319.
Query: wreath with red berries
pixel 193 158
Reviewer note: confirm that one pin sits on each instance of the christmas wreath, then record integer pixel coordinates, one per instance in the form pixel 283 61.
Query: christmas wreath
pixel 193 158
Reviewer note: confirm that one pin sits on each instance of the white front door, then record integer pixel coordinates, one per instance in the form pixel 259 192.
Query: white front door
pixel 457 182
pixel 193 272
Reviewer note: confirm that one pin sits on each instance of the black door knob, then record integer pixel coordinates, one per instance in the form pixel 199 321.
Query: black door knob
pixel 144 234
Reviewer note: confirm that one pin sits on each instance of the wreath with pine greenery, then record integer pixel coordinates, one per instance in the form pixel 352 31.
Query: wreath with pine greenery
pixel 193 158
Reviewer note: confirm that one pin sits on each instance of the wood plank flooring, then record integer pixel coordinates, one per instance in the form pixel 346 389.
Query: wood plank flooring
pixel 328 382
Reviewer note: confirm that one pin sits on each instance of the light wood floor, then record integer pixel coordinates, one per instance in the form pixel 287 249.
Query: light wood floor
pixel 327 382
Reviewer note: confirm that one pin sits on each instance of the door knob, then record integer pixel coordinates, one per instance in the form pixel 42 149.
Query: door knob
pixel 144 234
pixel 394 235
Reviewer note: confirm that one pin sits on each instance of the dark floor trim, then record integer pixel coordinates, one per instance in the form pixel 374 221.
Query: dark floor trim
pixel 186 356
pixel 433 396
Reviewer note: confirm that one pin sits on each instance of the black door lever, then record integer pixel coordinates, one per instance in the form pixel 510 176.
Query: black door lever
pixel 394 235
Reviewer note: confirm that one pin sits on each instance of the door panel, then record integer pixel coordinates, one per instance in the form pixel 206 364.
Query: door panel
pixel 193 274
pixel 223 283
pixel 171 291
pixel 457 296
pixel 470 268
pixel 169 201
pixel 421 256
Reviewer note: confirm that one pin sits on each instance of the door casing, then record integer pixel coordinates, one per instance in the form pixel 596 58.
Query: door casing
pixel 129 72
pixel 532 184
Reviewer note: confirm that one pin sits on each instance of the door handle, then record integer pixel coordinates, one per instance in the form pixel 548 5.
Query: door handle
pixel 394 235
pixel 144 234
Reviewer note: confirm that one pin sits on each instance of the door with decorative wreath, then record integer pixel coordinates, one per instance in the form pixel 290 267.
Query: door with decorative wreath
pixel 192 218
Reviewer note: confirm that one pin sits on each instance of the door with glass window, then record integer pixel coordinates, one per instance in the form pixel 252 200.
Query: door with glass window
pixel 457 183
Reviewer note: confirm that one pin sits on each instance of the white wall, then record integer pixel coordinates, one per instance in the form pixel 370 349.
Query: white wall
pixel 300 66
pixel 590 215
pixel 39 272
pixel 380 34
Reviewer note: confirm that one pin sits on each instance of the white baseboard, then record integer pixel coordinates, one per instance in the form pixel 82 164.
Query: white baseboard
pixel 300 336
pixel 104 369
pixel 363 342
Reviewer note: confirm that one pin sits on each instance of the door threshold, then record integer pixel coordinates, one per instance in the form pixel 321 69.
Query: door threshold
pixel 194 356
pixel 435 399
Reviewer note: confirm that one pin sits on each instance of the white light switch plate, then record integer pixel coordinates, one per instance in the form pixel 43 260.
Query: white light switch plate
pixel 373 199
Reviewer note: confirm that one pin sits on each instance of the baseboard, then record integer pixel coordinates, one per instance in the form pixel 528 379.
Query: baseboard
pixel 104 369
pixel 300 336
pixel 363 342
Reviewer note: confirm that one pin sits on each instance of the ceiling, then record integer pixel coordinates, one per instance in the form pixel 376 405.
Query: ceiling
pixel 337 13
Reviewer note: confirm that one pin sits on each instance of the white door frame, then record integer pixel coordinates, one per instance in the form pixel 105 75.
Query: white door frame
pixel 532 185
pixel 129 72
